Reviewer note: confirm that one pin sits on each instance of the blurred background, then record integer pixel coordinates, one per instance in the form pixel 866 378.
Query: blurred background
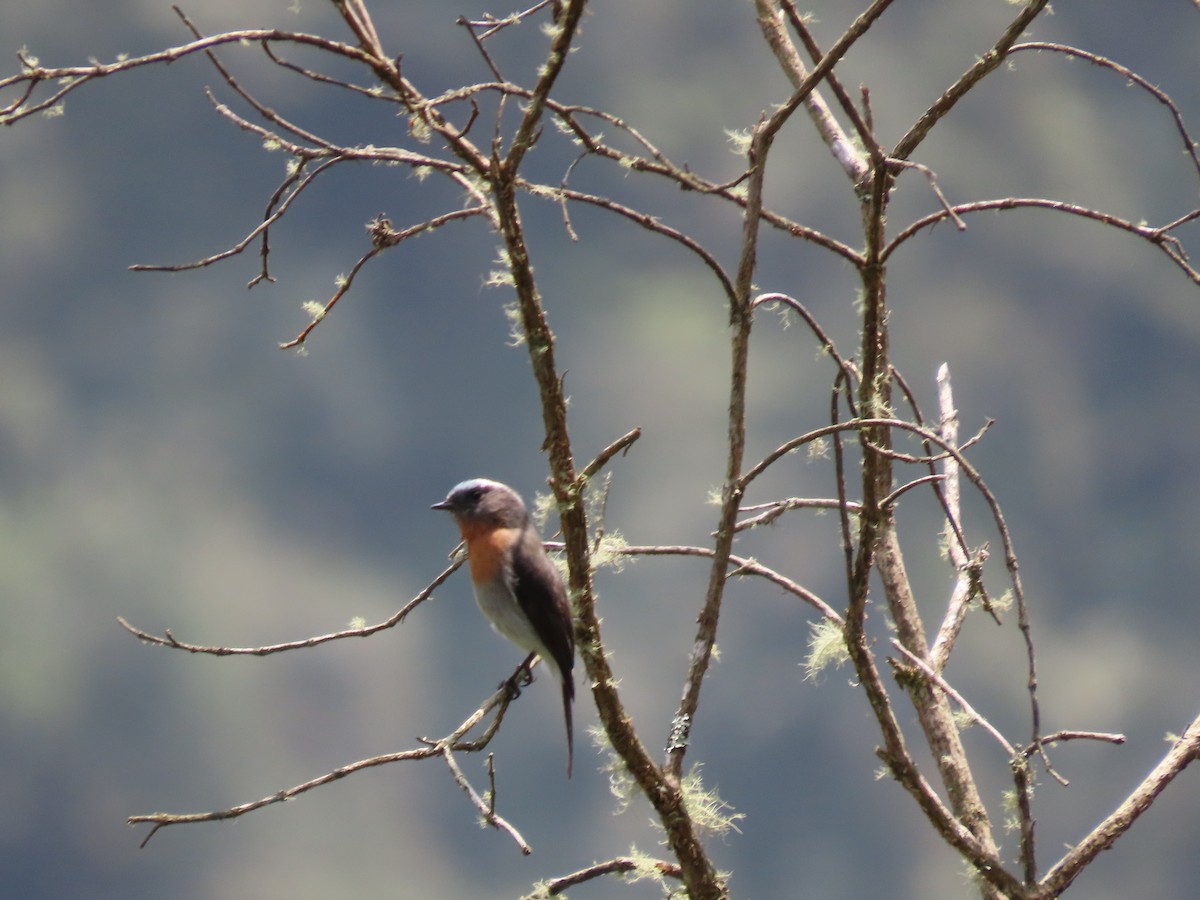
pixel 162 460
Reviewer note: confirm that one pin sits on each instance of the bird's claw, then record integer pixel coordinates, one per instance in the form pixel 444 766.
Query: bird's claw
pixel 519 679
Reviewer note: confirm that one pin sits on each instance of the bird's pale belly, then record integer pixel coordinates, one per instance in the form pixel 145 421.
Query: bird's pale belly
pixel 501 609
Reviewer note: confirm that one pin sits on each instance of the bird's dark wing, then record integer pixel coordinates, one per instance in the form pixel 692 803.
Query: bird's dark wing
pixel 540 591
pixel 543 598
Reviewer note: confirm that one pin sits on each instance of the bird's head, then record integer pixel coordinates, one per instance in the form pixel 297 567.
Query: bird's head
pixel 481 501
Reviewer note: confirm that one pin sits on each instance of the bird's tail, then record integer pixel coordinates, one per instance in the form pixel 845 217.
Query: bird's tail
pixel 568 693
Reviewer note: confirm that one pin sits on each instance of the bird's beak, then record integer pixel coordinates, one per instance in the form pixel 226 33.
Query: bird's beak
pixel 444 504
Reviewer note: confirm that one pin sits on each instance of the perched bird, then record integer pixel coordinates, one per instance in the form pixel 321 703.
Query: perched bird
pixel 516 585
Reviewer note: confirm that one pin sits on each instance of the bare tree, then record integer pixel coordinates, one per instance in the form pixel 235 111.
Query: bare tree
pixel 478 137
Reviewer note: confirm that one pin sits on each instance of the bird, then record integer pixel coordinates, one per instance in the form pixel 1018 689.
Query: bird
pixel 517 587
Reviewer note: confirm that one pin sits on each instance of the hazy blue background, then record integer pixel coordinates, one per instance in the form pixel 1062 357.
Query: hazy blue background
pixel 161 460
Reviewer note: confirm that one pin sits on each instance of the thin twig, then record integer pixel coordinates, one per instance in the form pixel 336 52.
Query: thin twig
pixel 776 508
pixel 167 639
pixel 1189 143
pixel 620 445
pixel 622 865
pixel 850 157
pixel 740 566
pixel 498 701
pixel 1184 751
pixel 648 222
pixel 370 93
pixel 70 78
pixel 827 345
pixel 986 64
pixel 937 191
pixel 862 125
pixel 1159 237
pixel 290 189
pixel 486 808
pixel 890 499
pixel 1059 737
pixel 262 109
pixel 494 24
pixel 944 686
pixel 478 41
pixel 383 237
pixel 960 594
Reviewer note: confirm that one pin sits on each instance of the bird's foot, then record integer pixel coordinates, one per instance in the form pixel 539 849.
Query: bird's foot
pixel 519 679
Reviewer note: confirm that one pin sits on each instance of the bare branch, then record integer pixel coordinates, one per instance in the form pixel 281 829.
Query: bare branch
pixel 1189 143
pixel 622 865
pixel 863 126
pixel 495 25
pixel 776 508
pixel 942 685
pixel 740 566
pixel 987 64
pixel 820 70
pixel 478 41
pixel 498 701
pixel 890 499
pixel 1161 237
pixel 620 445
pixel 770 20
pixel 1184 750
pixel 932 178
pixel 567 24
pixel 657 163
pixel 371 93
pixel 77 76
pixel 355 14
pixel 1064 736
pixel 383 237
pixel 169 640
pixel 650 223
pixel 289 190
pixel 262 109
pixel 849 372
pixel 486 808
pixel 955 542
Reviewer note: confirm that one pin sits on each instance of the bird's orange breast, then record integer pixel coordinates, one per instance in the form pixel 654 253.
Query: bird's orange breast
pixel 487 547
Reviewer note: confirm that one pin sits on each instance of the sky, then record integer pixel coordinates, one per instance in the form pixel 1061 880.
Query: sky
pixel 162 460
